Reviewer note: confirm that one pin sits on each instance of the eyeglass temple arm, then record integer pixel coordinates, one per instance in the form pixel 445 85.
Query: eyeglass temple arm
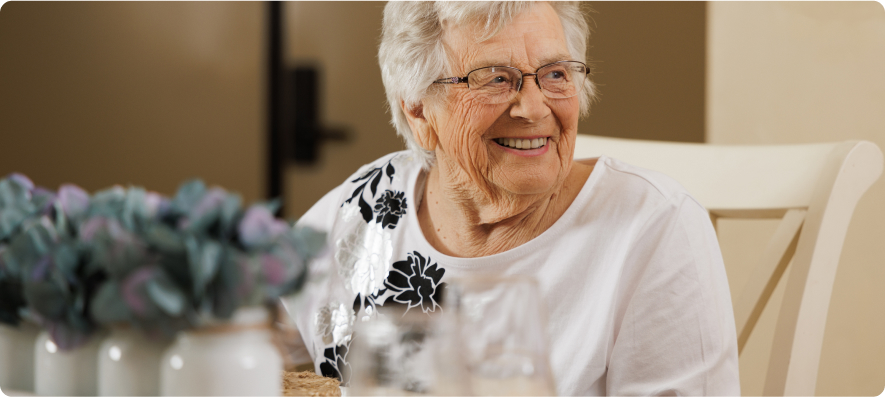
pixel 451 80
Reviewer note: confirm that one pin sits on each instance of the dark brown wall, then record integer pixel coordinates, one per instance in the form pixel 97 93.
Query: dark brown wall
pixel 144 93
pixel 649 65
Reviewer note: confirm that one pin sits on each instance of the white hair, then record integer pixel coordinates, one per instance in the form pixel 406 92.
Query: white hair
pixel 412 55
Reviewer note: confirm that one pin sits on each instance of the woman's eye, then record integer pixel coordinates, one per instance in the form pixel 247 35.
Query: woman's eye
pixel 555 75
pixel 498 80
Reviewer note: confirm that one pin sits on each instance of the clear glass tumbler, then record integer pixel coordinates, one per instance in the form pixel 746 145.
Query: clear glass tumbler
pixel 407 352
pixel 503 339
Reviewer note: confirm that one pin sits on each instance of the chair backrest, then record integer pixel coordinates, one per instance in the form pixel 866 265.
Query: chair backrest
pixel 814 188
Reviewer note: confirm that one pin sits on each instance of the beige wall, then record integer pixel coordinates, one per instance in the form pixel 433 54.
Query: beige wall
pixel 808 72
pixel 143 93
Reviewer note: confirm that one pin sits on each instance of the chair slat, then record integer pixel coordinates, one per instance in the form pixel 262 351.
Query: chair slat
pixel 798 338
pixel 724 177
pixel 765 277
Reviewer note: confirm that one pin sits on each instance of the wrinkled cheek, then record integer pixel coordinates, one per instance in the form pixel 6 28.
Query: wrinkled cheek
pixel 566 150
pixel 465 141
pixel 567 112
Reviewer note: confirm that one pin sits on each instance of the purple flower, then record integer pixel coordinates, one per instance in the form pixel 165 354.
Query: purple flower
pixel 90 228
pixel 259 227
pixel 274 269
pixel 74 201
pixel 154 203
pixel 22 180
pixel 133 287
pixel 246 284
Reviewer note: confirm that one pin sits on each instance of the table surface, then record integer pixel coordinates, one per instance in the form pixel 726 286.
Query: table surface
pixel 15 393
pixel 18 393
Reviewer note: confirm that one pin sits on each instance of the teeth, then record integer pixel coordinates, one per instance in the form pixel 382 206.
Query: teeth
pixel 523 144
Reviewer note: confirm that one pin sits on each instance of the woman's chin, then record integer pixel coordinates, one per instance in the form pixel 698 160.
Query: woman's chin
pixel 522 184
pixel 526 172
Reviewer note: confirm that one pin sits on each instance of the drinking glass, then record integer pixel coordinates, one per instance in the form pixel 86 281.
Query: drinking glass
pixel 502 335
pixel 407 352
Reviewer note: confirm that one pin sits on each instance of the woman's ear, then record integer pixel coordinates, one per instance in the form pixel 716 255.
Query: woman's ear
pixel 422 129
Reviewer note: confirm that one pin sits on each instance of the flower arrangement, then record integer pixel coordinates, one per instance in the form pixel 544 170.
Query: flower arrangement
pixel 76 262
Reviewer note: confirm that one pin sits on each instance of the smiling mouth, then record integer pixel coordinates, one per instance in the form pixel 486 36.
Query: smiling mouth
pixel 522 144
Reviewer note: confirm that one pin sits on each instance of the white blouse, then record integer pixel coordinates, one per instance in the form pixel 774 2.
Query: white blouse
pixel 631 276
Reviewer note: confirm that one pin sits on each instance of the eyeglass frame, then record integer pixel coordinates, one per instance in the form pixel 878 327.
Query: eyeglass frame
pixel 459 80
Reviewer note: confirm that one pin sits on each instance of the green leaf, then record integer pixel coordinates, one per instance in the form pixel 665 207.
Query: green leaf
pixel 41 236
pixel 61 221
pixel 203 259
pixel 113 247
pixel 188 195
pixel 66 259
pixel 79 322
pixel 224 292
pixel 14 191
pixel 47 299
pixel 206 212
pixel 108 306
pixel 166 295
pixel 10 219
pixel 177 267
pixel 164 238
pixel 230 214
pixel 134 209
pixel 42 198
pixel 27 248
pixel 108 202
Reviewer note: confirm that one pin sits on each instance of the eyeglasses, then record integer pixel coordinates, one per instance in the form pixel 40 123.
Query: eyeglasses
pixel 500 84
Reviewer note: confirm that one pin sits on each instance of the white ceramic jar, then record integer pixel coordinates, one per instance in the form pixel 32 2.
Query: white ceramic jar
pixel 17 356
pixel 231 358
pixel 65 373
pixel 129 364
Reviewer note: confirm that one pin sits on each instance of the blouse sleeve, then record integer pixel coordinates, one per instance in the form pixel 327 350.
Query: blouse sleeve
pixel 676 334
pixel 320 217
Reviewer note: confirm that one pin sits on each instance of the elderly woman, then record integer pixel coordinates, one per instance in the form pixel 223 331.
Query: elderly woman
pixel 487 97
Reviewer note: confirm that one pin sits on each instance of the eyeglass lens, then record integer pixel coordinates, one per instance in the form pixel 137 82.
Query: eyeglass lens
pixel 498 84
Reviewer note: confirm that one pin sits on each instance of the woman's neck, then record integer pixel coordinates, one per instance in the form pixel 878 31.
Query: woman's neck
pixel 459 220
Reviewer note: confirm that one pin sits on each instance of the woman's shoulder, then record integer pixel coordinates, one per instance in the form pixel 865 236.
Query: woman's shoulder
pixel 628 179
pixel 622 194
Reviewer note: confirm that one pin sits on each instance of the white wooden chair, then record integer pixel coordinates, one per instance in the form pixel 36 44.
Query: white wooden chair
pixel 812 187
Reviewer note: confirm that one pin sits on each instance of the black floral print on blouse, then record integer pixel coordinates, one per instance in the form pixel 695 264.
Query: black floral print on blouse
pixel 371 179
pixel 415 282
pixel 390 207
pixel 335 364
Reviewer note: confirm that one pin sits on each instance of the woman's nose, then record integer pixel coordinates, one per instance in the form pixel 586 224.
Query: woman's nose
pixel 530 103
